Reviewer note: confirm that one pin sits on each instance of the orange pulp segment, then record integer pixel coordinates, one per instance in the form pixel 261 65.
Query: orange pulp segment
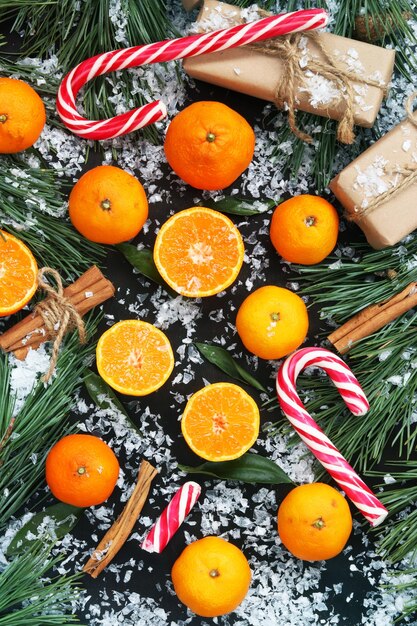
pixel 220 422
pixel 198 252
pixel 134 357
pixel 18 274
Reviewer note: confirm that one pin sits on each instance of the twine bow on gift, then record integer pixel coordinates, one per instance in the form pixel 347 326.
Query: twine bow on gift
pixel 407 172
pixel 291 51
pixel 58 314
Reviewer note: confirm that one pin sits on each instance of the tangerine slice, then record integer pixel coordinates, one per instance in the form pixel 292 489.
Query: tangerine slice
pixel 198 252
pixel 220 422
pixel 18 274
pixel 134 357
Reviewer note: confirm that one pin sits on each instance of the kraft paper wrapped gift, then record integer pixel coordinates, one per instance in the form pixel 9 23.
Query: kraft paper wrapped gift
pixel 379 189
pixel 255 73
pixel 189 5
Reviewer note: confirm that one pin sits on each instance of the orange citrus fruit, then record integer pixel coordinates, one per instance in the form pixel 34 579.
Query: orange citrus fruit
pixel 272 322
pixel 211 577
pixel 22 116
pixel 81 470
pixel 304 229
pixel 209 145
pixel 220 422
pixel 134 357
pixel 198 252
pixel 18 274
pixel 314 522
pixel 108 205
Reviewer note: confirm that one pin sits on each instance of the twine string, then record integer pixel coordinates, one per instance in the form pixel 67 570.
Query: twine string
pixel 58 315
pixel 289 50
pixel 407 172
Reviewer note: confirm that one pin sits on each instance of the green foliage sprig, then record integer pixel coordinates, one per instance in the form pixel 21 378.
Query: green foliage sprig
pixel 29 596
pixel 31 202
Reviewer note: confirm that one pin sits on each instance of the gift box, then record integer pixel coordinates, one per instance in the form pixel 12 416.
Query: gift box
pixel 257 72
pixel 378 189
pixel 189 5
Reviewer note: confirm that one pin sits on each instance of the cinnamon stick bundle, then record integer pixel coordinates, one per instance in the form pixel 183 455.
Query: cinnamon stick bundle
pixel 88 291
pixel 374 317
pixel 116 536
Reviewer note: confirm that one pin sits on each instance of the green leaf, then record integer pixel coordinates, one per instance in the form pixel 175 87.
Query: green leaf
pixel 249 468
pixel 104 396
pixel 224 361
pixel 142 260
pixel 56 520
pixel 240 206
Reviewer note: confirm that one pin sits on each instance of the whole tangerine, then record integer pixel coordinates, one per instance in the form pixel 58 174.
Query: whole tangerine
pixel 304 229
pixel 22 116
pixel 272 322
pixel 211 577
pixel 209 145
pixel 81 470
pixel 108 205
pixel 314 522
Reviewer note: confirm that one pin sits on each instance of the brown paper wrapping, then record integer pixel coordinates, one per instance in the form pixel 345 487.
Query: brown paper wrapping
pixel 189 5
pixel 373 173
pixel 257 74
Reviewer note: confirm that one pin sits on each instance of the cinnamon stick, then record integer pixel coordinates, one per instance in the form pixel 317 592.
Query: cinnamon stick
pixel 31 333
pixel 116 536
pixel 373 318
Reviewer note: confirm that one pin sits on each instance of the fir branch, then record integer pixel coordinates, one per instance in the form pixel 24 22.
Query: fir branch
pixel 357 276
pixel 77 35
pixel 28 595
pixel 400 540
pixel 39 423
pixel 32 200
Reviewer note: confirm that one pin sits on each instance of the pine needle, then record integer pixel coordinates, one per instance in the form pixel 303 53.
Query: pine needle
pixel 41 421
pixel 28 595
pixel 32 200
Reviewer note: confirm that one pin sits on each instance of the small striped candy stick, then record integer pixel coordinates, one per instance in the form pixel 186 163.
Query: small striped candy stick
pixel 172 517
pixel 160 52
pixel 312 435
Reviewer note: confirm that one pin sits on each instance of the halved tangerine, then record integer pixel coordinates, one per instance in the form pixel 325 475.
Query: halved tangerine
pixel 220 422
pixel 134 357
pixel 18 274
pixel 198 252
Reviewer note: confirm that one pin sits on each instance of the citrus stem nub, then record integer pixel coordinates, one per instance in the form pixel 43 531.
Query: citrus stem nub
pixel 275 317
pixel 105 204
pixel 81 471
pixel 210 137
pixel 214 573
pixel 319 523
pixel 3 118
pixel 310 221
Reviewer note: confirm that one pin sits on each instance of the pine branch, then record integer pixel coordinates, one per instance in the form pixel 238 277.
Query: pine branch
pixel 29 596
pixel 32 201
pixel 40 422
pixel 357 276
pixel 77 35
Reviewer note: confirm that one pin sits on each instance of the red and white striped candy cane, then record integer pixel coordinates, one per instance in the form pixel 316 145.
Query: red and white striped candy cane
pixel 311 433
pixel 161 52
pixel 172 517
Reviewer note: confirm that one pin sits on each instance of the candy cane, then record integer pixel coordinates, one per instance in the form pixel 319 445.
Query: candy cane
pixel 172 517
pixel 161 52
pixel 312 435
